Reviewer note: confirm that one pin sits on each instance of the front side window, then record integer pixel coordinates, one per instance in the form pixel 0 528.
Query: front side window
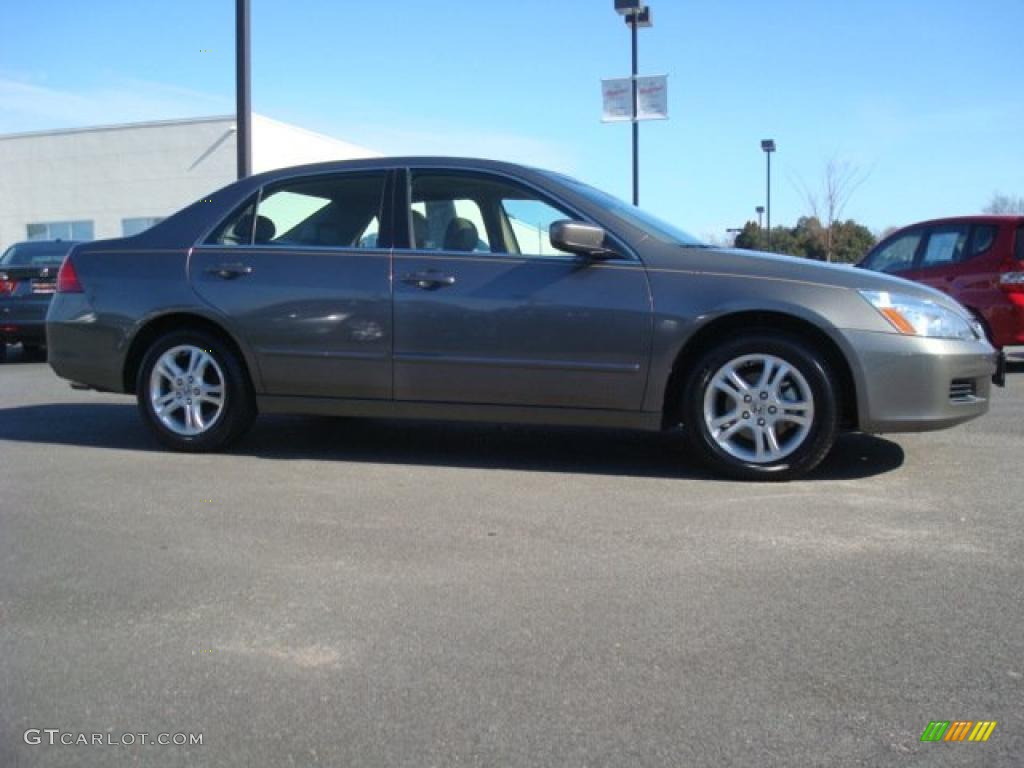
pixel 947 245
pixel 897 255
pixel 468 212
pixel 323 211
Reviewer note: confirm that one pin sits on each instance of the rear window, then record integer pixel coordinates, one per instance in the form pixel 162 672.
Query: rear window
pixel 34 254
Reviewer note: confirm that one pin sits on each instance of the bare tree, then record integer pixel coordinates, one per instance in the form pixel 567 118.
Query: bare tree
pixel 840 180
pixel 1001 203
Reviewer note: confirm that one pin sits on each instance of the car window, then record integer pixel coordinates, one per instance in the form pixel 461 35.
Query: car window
pixel 432 218
pixel 323 211
pixel 33 255
pixel 1019 248
pixel 947 244
pixel 982 239
pixel 897 255
pixel 530 222
pixel 471 212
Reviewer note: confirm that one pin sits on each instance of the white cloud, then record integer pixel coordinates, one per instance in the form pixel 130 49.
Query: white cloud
pixel 28 106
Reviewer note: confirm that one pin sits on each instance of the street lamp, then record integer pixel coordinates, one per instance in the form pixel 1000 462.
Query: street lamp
pixel 243 92
pixel 636 15
pixel 768 145
pixel 760 212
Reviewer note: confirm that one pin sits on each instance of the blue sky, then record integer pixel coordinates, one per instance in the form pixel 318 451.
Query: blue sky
pixel 923 97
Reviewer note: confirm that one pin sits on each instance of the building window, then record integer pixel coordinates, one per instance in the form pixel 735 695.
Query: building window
pixel 60 230
pixel 139 224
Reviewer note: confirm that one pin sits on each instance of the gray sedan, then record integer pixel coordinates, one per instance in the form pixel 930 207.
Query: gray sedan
pixel 471 289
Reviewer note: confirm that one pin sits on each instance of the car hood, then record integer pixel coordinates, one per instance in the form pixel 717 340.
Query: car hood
pixel 758 264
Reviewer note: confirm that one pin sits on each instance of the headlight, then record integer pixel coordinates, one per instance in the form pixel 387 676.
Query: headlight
pixel 920 317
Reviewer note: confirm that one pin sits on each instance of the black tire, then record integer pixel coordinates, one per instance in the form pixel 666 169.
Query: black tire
pixel 807 452
pixel 33 351
pixel 239 402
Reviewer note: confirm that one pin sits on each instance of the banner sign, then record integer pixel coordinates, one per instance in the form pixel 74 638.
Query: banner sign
pixel 651 97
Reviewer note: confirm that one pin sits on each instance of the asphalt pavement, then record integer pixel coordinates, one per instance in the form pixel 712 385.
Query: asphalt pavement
pixel 380 593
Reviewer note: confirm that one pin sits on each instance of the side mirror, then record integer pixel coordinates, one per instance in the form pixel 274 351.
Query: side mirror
pixel 577 237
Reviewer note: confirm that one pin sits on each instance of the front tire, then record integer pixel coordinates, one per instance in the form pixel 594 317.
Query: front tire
pixel 193 392
pixel 763 406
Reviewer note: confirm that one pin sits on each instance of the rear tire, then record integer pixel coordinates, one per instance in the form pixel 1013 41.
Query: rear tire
pixel 761 407
pixel 33 351
pixel 193 392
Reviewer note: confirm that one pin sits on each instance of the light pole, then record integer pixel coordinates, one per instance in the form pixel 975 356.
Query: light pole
pixel 768 145
pixel 760 212
pixel 636 15
pixel 243 92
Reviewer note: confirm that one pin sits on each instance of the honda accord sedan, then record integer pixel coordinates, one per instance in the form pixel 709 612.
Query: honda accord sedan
pixel 470 289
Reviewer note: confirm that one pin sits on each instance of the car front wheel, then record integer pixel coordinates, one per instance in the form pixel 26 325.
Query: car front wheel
pixel 761 407
pixel 193 392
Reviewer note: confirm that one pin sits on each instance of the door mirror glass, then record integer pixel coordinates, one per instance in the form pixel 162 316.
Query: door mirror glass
pixel 577 237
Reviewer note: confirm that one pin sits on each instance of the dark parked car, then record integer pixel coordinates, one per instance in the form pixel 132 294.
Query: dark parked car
pixel 978 260
pixel 470 289
pixel 28 278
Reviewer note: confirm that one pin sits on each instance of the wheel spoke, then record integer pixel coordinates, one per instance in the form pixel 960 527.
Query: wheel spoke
pixel 776 381
pixel 196 410
pixel 772 439
pixel 721 421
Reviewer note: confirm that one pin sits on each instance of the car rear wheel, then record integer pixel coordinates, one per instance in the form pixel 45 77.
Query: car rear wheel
pixel 193 392
pixel 761 407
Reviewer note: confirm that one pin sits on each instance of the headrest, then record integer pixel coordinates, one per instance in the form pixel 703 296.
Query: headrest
pixel 420 230
pixel 265 229
pixel 461 235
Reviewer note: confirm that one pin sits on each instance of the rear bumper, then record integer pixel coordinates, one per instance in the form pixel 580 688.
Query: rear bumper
pixel 23 319
pixel 81 349
pixel 912 384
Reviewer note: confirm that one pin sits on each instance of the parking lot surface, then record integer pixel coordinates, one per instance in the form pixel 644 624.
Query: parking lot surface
pixel 379 593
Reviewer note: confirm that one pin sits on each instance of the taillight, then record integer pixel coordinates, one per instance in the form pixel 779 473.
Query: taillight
pixel 67 278
pixel 7 285
pixel 1012 282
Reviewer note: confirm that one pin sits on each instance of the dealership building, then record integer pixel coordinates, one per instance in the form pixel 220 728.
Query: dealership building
pixel 111 181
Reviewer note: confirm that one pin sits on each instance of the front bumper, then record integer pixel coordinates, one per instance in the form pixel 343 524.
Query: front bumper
pixel 913 384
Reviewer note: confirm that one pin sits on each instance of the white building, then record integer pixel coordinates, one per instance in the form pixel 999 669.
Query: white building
pixel 110 181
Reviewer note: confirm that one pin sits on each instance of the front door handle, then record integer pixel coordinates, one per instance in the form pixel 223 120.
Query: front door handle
pixel 230 271
pixel 429 281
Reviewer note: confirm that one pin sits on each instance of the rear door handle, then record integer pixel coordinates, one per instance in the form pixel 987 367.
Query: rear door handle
pixel 230 271
pixel 429 281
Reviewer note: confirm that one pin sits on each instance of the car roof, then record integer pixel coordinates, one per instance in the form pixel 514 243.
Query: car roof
pixel 982 218
pixel 42 245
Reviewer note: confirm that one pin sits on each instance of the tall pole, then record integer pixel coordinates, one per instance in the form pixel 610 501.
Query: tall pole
pixel 636 124
pixel 768 199
pixel 243 116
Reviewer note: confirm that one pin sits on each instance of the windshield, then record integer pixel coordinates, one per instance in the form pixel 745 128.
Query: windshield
pixel 651 224
pixel 34 254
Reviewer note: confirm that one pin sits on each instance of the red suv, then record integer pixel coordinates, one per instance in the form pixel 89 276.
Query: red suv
pixel 978 260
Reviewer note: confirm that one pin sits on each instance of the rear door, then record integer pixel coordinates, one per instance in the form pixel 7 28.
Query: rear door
pixel 487 311
pixel 303 273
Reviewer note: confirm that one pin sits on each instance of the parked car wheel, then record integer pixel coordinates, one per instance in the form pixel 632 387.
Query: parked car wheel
pixel 193 392
pixel 761 407
pixel 33 351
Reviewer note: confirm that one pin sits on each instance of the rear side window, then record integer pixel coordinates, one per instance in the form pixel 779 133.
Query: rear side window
pixel 947 244
pixel 1019 249
pixel 984 237
pixel 897 255
pixel 324 211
